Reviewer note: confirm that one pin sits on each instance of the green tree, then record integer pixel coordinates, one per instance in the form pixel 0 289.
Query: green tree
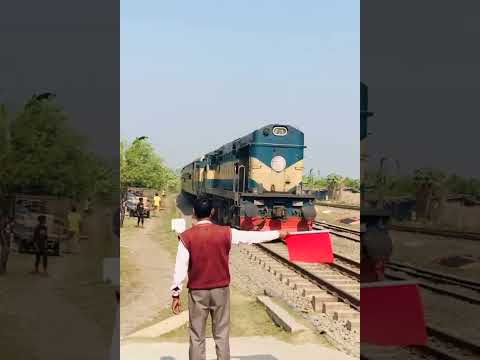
pixel 45 156
pixel 353 183
pixel 140 166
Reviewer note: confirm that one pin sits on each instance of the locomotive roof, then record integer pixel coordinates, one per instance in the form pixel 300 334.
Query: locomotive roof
pixel 294 136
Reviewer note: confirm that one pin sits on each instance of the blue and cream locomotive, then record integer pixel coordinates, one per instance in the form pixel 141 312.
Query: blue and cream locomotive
pixel 255 182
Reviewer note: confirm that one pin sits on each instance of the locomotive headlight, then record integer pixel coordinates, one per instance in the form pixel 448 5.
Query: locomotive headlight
pixel 278 163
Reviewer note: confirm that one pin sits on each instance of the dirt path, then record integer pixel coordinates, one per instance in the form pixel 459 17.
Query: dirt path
pixel 242 348
pixel 146 272
pixel 68 315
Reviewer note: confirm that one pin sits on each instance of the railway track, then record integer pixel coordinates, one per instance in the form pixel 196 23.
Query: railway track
pixel 344 232
pixel 338 282
pixel 440 345
pixel 437 232
pixel 440 283
pixel 339 206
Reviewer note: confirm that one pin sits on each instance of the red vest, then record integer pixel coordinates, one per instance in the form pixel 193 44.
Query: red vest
pixel 209 247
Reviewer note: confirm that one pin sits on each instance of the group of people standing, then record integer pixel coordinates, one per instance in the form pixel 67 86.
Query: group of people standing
pixel 39 241
pixel 140 210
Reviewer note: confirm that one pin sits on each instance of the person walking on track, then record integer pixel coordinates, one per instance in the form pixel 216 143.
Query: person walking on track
pixel 74 220
pixel 203 255
pixel 40 241
pixel 140 212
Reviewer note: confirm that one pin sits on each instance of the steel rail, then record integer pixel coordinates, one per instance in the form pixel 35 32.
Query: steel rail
pixel 435 276
pixel 437 351
pixel 346 297
pixel 443 233
pixel 466 298
pixel 339 233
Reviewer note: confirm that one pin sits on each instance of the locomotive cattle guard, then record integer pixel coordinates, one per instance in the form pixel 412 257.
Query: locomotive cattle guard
pixel 254 182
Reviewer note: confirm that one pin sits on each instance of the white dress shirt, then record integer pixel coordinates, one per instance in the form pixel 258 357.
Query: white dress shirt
pixel 238 237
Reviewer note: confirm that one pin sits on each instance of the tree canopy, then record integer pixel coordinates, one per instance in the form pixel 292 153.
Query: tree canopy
pixel 41 154
pixel 317 182
pixel 141 166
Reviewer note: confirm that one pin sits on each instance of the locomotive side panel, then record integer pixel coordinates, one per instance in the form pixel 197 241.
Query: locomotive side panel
pixel 187 178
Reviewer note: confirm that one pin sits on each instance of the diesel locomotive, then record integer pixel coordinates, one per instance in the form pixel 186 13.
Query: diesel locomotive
pixel 255 182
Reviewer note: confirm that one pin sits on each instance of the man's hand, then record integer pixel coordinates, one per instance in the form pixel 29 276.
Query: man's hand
pixel 176 305
pixel 283 234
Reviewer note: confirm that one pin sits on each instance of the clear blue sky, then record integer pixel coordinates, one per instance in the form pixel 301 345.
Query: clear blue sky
pixel 197 74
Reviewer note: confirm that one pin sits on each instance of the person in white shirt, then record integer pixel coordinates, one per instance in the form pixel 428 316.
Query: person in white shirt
pixel 203 254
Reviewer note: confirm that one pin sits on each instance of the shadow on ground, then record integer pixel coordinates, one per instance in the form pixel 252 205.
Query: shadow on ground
pixel 248 357
pixel 184 204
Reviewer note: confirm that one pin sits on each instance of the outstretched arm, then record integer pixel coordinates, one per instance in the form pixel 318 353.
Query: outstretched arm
pixel 255 237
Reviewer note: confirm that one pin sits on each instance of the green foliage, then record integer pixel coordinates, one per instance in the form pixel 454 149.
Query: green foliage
pixel 460 185
pixel 427 178
pixel 140 166
pixel 317 182
pixel 314 182
pixel 3 130
pixel 334 179
pixel 352 183
pixel 44 156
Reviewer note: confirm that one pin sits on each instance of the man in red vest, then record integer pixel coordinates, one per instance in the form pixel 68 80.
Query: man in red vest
pixel 203 253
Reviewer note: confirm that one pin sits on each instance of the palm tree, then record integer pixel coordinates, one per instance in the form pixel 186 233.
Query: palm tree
pixel 334 186
pixel 430 186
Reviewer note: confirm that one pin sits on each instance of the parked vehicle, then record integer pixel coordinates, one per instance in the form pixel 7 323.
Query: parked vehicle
pixel 27 209
pixel 132 199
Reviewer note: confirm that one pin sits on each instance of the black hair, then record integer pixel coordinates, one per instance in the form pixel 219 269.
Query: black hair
pixel 42 219
pixel 74 208
pixel 202 207
pixel 141 199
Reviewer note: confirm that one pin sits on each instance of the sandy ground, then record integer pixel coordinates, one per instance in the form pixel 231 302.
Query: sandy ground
pixel 441 311
pixel 151 273
pixel 423 250
pixel 245 348
pixel 68 315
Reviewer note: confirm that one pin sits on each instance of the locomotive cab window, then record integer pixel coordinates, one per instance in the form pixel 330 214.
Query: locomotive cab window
pixel 280 131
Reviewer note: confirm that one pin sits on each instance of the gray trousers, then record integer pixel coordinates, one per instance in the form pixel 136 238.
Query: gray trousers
pixel 201 303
